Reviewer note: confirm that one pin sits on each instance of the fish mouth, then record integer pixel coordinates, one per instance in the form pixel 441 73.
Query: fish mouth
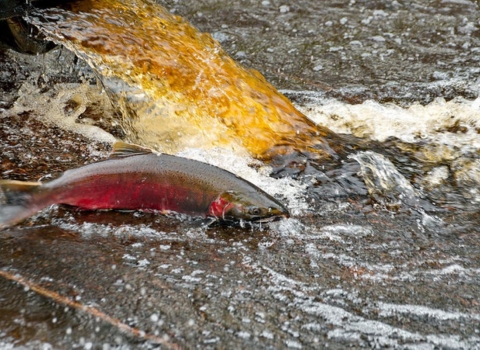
pixel 270 219
pixel 252 222
pixel 274 217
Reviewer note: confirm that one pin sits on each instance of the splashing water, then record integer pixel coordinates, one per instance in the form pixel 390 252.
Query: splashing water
pixel 435 145
pixel 383 180
pixel 445 129
pixel 176 87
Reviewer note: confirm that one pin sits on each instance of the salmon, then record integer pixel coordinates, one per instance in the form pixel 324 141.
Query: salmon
pixel 136 178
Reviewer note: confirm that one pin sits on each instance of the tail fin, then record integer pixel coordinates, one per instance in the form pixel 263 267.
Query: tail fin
pixel 16 201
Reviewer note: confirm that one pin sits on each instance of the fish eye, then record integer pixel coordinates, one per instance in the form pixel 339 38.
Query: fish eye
pixel 254 211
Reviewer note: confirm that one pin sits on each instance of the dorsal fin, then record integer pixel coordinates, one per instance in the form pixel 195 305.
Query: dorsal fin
pixel 122 149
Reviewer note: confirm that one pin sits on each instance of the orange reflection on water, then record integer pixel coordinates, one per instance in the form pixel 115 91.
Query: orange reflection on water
pixel 182 89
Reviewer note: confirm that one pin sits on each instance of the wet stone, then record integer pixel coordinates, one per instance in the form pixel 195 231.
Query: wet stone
pixel 343 271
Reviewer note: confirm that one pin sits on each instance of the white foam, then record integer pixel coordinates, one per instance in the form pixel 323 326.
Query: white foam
pixel 387 309
pixel 437 133
pixel 63 105
pixel 348 230
pixel 378 121
pixel 91 230
pixel 447 130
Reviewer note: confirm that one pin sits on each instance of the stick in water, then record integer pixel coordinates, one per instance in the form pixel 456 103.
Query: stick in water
pixel 87 309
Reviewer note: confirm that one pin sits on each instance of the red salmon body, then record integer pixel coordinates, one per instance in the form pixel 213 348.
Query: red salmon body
pixel 137 179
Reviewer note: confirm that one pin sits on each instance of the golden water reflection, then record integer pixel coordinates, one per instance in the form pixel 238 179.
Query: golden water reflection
pixel 176 87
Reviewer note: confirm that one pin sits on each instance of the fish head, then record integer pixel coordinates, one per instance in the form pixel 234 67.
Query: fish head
pixel 254 206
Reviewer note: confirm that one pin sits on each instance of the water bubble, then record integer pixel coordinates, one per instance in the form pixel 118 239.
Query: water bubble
pixel 220 36
pixel 240 55
pixel 143 263
pixel 244 335
pixel 267 334
pixel 293 344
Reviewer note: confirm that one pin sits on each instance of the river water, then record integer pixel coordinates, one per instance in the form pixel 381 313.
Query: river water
pixel 382 249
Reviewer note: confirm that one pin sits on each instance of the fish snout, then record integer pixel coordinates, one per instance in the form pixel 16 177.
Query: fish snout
pixel 274 214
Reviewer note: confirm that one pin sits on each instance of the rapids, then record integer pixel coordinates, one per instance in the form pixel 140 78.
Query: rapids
pixel 376 158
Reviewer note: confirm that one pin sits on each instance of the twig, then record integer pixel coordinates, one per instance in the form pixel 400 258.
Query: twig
pixel 87 309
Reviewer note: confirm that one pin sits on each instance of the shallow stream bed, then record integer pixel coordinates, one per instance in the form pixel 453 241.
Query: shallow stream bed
pixel 382 249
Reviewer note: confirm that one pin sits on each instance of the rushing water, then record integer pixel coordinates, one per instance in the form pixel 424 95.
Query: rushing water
pixel 175 86
pixel 382 249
